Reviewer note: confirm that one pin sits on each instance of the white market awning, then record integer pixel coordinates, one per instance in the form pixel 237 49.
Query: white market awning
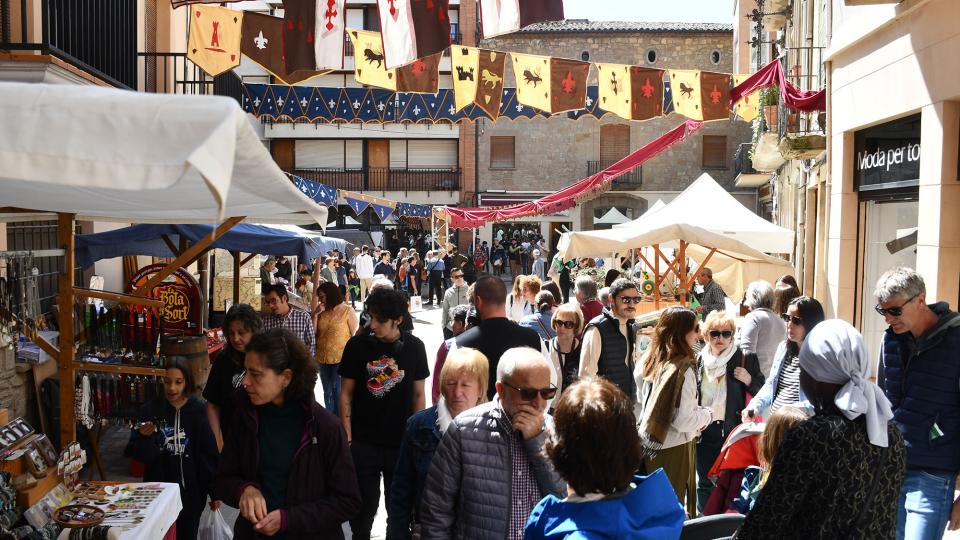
pixel 115 155
pixel 612 217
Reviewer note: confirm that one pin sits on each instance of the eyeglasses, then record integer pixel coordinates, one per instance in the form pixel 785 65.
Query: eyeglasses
pixel 894 311
pixel 727 334
pixel 457 276
pixel 797 321
pixel 569 325
pixel 629 299
pixel 530 394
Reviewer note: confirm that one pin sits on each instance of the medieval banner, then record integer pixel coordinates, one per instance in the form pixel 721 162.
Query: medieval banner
pixel 550 84
pixel 630 92
pixel 504 16
pixel 413 29
pixel 213 43
pixel 701 95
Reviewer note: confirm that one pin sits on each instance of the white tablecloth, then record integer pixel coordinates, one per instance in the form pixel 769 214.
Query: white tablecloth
pixel 159 516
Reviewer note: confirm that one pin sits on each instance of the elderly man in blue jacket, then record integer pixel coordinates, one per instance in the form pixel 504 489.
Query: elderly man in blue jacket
pixel 920 362
pixel 490 470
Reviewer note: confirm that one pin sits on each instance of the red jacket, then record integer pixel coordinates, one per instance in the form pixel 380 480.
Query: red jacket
pixel 322 491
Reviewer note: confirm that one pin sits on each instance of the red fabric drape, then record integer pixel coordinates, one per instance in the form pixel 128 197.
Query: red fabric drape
pixel 568 197
pixel 794 98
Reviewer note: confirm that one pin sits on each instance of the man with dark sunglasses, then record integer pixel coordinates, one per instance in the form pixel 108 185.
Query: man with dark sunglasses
pixel 920 373
pixel 490 470
pixel 609 338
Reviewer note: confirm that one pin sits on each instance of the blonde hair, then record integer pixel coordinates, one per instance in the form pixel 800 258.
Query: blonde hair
pixel 569 308
pixel 717 320
pixel 516 285
pixel 466 361
pixel 782 421
pixel 530 282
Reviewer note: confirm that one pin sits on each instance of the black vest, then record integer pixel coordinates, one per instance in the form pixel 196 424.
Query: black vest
pixel 614 348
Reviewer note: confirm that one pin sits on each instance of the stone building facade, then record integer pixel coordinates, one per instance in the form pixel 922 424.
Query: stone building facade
pixel 553 153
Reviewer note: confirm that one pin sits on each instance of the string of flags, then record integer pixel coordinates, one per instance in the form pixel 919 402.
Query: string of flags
pixel 359 202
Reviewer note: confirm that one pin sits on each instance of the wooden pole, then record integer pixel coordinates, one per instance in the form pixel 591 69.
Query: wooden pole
pixel 656 278
pixel 65 238
pixel 118 297
pixel 682 259
pixel 236 277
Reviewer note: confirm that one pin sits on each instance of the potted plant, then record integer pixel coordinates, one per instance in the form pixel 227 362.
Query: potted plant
pixel 769 100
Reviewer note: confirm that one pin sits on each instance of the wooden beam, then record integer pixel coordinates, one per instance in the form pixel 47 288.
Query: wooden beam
pixel 236 277
pixel 188 256
pixel 120 369
pixel 247 259
pixel 166 240
pixel 118 297
pixel 68 421
pixel 31 334
pixel 700 268
pixel 682 260
pixel 656 277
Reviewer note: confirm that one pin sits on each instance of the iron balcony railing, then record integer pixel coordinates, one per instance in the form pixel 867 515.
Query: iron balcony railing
pixel 96 36
pixel 741 160
pixel 804 68
pixel 173 73
pixel 631 180
pixel 383 179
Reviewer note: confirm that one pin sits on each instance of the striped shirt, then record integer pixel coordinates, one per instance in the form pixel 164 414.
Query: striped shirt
pixel 788 384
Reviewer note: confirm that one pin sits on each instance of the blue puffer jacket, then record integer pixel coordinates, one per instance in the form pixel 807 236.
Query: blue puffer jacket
pixel 650 510
pixel 924 391
pixel 419 443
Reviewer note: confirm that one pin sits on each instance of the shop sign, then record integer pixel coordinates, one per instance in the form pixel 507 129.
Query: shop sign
pixel 888 155
pixel 180 294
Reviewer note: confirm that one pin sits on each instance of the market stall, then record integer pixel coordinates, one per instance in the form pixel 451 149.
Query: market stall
pixel 91 153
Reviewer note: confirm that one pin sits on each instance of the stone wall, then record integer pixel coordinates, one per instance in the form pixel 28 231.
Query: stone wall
pixel 16 388
pixel 553 153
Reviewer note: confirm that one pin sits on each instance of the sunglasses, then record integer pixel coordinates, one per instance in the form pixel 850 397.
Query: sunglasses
pixel 457 276
pixel 717 333
pixel 629 299
pixel 797 321
pixel 530 394
pixel 894 311
pixel 569 325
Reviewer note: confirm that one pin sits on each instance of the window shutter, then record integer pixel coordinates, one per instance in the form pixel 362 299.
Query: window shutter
pixel 432 154
pixel 318 154
pixel 502 153
pixel 714 151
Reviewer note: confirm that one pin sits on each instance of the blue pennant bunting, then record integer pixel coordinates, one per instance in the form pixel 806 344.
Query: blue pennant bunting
pixel 383 212
pixel 323 194
pixel 413 210
pixel 357 205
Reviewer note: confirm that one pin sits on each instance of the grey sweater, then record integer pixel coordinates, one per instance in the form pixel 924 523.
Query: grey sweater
pixel 467 492
pixel 761 333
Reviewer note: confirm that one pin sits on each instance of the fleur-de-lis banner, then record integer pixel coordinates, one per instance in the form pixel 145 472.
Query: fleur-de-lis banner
pixel 413 210
pixel 360 202
pixel 413 29
pixel 321 193
pixel 701 95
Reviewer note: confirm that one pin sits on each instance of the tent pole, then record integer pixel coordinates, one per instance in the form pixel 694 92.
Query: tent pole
pixel 656 278
pixel 236 277
pixel 700 268
pixel 203 265
pixel 65 298
pixel 682 259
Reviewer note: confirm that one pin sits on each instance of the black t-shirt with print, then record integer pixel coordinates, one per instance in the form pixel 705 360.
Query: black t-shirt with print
pixel 383 395
pixel 223 384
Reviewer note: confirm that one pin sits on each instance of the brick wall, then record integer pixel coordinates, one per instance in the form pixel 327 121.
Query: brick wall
pixel 553 153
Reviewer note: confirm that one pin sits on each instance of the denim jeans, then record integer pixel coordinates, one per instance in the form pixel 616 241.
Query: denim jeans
pixel 924 507
pixel 331 386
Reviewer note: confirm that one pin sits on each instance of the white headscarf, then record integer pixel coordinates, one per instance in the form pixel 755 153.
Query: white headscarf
pixel 833 353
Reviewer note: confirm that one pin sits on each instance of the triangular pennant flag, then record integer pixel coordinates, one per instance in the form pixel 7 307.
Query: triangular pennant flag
pixel 328 42
pixel 269 106
pixel 422 76
pixel 749 105
pixel 382 211
pixel 493 67
pixel 413 29
pixel 700 95
pixel 263 43
pixel 358 205
pixel 630 92
pixel 505 16
pixel 299 26
pixel 465 68
pixel 213 43
pixel 257 94
pixel 370 66
pixel 550 84
pixel 288 103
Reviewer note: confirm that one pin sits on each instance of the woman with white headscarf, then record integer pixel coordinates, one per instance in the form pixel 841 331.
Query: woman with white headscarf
pixel 838 474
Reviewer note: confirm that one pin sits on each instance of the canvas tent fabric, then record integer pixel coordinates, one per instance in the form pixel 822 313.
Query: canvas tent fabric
pixel 113 155
pixel 245 237
pixel 654 208
pixel 612 217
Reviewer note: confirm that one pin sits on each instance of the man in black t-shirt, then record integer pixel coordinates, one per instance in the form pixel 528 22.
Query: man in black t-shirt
pixel 382 385
pixel 496 333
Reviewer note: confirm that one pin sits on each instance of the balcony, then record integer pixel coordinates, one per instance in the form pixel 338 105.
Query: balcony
pixel 802 134
pixel 630 181
pixel 747 175
pixel 173 73
pixel 383 179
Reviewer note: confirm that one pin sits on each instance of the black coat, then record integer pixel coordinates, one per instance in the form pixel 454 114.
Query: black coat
pixel 322 490
pixel 736 390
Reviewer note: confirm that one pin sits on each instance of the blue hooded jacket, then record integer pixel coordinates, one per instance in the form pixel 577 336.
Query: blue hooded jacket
pixel 650 510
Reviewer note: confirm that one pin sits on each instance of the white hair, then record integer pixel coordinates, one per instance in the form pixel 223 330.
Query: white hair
pixel 380 281
pixel 519 355
pixel 759 295
pixel 899 281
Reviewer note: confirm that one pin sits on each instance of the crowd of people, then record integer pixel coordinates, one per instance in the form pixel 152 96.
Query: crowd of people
pixel 550 420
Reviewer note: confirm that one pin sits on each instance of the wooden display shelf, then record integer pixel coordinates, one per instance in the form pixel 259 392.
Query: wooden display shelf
pixel 122 369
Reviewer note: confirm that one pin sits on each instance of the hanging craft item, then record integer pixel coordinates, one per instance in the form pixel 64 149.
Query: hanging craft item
pixel 413 29
pixel 550 84
pixel 748 106
pixel 422 76
pixel 630 92
pixel 213 43
pixel 701 95
pixel 505 16
pixel 478 78
pixel 263 43
pixel 360 202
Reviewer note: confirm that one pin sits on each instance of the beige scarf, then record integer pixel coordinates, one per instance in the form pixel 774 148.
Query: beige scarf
pixel 663 401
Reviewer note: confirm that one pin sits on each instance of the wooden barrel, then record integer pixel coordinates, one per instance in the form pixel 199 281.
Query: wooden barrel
pixel 194 349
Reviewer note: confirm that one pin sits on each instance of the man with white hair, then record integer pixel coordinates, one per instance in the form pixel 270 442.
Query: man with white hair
pixel 490 470
pixel 919 371
pixel 585 289
pixel 539 265
pixel 712 298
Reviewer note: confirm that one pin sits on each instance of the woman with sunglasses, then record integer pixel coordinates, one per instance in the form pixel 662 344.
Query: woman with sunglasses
pixel 726 376
pixel 782 387
pixel 564 348
pixel 671 417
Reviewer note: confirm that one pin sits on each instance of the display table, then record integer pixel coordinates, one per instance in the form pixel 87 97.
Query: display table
pixel 141 511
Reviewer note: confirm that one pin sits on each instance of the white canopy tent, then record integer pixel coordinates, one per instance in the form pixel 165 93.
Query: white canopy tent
pixel 713 228
pixel 112 155
pixel 650 211
pixel 612 217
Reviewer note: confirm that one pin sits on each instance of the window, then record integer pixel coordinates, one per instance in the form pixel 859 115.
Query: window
pixel 651 56
pixel 715 57
pixel 714 151
pixel 319 154
pixel 432 154
pixel 502 153
pixel 585 56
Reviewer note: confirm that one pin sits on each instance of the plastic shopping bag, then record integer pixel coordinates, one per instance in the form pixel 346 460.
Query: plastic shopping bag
pixel 214 527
